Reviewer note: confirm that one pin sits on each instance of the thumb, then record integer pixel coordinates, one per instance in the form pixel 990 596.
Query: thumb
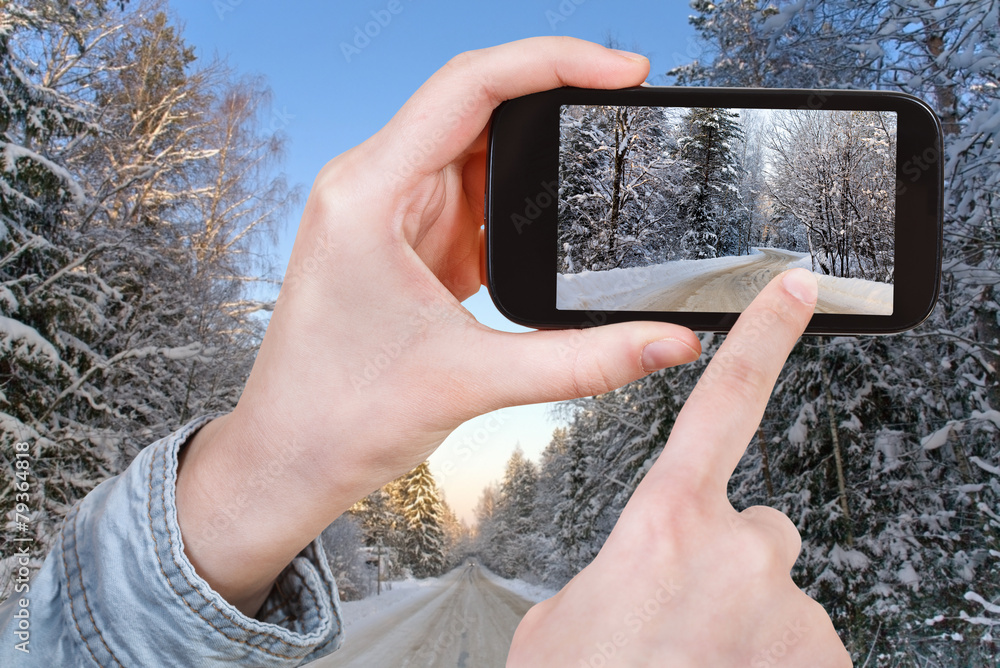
pixel 554 365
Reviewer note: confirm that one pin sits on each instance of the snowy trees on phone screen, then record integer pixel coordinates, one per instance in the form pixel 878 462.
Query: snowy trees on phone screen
pixel 616 187
pixel 707 146
pixel 834 172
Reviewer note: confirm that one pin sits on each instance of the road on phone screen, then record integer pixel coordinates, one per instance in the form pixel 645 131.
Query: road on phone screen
pixel 463 620
pixel 732 289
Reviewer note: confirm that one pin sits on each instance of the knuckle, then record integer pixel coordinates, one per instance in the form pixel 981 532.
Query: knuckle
pixel 744 372
pixel 463 62
pixel 761 553
pixel 776 313
pixel 782 531
pixel 591 375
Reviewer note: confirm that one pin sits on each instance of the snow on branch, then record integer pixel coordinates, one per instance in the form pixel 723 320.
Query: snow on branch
pixel 32 344
pixel 13 153
pixel 989 607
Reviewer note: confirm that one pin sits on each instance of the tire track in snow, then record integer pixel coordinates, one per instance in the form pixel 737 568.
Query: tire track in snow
pixel 466 621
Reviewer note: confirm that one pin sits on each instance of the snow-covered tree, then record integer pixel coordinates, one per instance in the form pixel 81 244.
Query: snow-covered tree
pixel 457 538
pixel 616 181
pixel 513 518
pixel 425 543
pixel 484 531
pixel 343 542
pixel 708 147
pixel 751 208
pixel 380 519
pixel 834 172
pixel 123 304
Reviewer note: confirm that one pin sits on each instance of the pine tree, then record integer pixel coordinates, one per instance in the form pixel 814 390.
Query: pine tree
pixel 457 540
pixel 424 545
pixel 514 517
pixel 380 520
pixel 711 181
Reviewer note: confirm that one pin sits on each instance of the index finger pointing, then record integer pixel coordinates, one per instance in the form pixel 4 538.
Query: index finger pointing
pixel 449 111
pixel 720 417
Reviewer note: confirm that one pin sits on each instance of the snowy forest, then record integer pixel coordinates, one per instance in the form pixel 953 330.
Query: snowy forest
pixel 647 186
pixel 140 191
pixel 884 451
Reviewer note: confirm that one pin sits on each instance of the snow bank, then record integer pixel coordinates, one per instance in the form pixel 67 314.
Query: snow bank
pixel 402 590
pixel 610 289
pixel 849 295
pixel 854 295
pixel 526 590
pixel 616 289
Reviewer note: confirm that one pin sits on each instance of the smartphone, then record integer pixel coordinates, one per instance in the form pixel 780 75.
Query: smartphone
pixel 680 204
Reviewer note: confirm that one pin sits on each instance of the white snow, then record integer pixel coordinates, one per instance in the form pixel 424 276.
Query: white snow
pixel 938 438
pixel 617 288
pixel 848 558
pixel 624 288
pixel 991 415
pixel 908 576
pixel 526 590
pixel 13 153
pixel 402 590
pixel 182 352
pixel 973 596
pixel 989 468
pixel 849 293
pixel 13 330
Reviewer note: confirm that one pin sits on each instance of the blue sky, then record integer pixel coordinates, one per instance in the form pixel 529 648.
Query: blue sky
pixel 328 98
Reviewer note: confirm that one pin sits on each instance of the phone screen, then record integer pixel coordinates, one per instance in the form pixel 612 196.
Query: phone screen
pixel 697 208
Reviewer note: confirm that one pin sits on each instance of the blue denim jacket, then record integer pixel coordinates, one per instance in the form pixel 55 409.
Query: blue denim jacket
pixel 117 590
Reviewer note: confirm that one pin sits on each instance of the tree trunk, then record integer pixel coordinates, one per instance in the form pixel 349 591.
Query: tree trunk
pixel 616 184
pixel 837 454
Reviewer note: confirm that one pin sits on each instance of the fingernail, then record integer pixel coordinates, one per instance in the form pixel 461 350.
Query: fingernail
pixel 631 56
pixel 801 283
pixel 666 352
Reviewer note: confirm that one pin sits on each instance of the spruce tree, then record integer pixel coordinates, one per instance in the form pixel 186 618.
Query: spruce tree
pixel 420 502
pixel 711 178
pixel 514 516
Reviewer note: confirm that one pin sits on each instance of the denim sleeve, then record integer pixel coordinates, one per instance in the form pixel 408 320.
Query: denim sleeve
pixel 117 590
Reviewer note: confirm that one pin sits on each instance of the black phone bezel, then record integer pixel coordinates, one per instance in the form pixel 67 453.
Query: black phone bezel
pixel 521 212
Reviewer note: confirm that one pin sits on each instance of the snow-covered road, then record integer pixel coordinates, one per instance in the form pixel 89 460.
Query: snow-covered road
pixel 726 284
pixel 729 289
pixel 462 620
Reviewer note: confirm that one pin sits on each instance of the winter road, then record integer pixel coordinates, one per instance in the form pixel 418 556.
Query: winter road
pixel 732 290
pixel 465 621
